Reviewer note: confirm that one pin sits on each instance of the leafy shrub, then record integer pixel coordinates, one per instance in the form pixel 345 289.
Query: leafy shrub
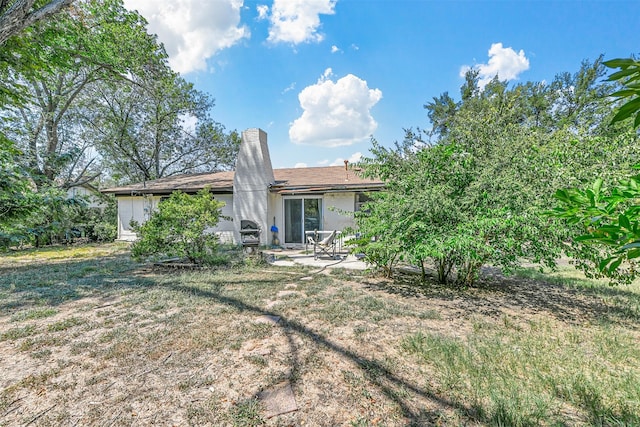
pixel 181 226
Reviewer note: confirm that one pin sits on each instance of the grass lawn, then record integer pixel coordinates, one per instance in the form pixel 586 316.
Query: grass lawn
pixel 88 337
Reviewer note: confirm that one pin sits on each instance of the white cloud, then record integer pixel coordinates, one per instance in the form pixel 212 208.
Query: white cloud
pixel 300 165
pixel 289 88
pixel 335 113
pixel 503 61
pixel 298 21
pixel 263 11
pixel 192 31
pixel 323 162
pixel 355 158
pixel 335 49
pixel 189 122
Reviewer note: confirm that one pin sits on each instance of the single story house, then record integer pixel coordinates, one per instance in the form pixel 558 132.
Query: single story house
pixel 295 200
pixel 88 193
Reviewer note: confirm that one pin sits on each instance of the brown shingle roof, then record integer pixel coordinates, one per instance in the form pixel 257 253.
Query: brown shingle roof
pixel 289 180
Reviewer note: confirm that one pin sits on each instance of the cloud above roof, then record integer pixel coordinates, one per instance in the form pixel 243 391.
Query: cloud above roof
pixel 296 21
pixel 355 158
pixel 335 113
pixel 191 30
pixel 504 62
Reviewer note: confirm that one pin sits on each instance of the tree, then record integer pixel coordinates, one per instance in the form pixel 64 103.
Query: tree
pixel 17 197
pixel 142 129
pixel 629 77
pixel 475 194
pixel 16 15
pixel 46 122
pixel 181 226
pixel 454 209
pixel 440 112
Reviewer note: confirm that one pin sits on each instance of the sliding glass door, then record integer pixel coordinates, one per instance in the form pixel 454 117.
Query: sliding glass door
pixel 301 214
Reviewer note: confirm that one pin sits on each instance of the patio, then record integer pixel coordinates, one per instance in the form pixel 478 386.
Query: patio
pixel 296 257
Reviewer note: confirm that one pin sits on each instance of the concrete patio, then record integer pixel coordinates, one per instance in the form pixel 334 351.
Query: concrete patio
pixel 293 257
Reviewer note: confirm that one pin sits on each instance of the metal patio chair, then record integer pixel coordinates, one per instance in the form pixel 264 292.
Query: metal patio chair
pixel 325 246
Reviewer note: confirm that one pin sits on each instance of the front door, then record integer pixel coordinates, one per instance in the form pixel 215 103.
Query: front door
pixel 301 214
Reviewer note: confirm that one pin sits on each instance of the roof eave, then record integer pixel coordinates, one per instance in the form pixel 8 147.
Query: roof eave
pixel 162 191
pixel 326 189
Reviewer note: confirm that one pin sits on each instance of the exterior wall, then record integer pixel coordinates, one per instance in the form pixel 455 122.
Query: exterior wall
pixel 92 199
pixel 134 208
pixel 138 208
pixel 225 228
pixel 337 210
pixel 251 182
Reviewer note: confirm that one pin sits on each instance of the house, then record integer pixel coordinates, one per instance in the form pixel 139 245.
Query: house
pixel 89 194
pixel 295 200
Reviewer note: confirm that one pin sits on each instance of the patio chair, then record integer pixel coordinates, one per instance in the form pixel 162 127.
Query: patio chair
pixel 325 246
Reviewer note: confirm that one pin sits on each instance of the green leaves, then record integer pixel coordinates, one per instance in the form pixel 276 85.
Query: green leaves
pixel 629 77
pixel 180 227
pixel 611 219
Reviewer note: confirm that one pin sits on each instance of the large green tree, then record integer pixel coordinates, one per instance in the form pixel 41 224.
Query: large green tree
pixel 46 121
pixel 474 189
pixel 59 81
pixel 158 125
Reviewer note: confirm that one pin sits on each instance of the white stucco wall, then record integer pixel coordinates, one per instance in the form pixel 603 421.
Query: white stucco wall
pixel 225 228
pixel 335 205
pixel 133 208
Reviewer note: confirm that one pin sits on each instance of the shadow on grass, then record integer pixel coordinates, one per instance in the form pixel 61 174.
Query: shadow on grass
pixel 25 286
pixel 381 377
pixel 570 300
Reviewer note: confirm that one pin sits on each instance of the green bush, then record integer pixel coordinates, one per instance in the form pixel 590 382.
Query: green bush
pixel 181 226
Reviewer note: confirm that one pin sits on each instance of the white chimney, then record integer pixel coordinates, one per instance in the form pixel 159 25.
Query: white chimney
pixel 253 176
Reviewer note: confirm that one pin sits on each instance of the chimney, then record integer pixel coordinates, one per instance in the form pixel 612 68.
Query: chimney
pixel 253 176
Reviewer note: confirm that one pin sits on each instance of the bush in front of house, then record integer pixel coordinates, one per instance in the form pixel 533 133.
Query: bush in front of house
pixel 181 227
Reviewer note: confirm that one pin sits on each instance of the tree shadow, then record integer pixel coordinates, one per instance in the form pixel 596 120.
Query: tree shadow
pixel 26 286
pixel 391 385
pixel 567 300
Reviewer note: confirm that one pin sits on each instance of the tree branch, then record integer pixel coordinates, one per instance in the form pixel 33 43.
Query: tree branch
pixel 17 17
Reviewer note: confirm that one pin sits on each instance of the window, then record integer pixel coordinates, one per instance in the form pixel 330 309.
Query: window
pixel 361 199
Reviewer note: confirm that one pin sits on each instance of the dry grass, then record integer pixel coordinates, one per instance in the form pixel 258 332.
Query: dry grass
pixel 89 338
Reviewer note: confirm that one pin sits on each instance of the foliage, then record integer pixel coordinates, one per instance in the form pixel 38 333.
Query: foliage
pixel 142 128
pixel 60 81
pixel 16 15
pixel 64 106
pixel 608 218
pixel 17 197
pixel 46 120
pixel 181 226
pixel 629 76
pixel 54 217
pixel 98 224
pixel 470 192
pixel 437 210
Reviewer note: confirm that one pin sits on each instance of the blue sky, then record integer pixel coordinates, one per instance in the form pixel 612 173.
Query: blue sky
pixel 323 76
